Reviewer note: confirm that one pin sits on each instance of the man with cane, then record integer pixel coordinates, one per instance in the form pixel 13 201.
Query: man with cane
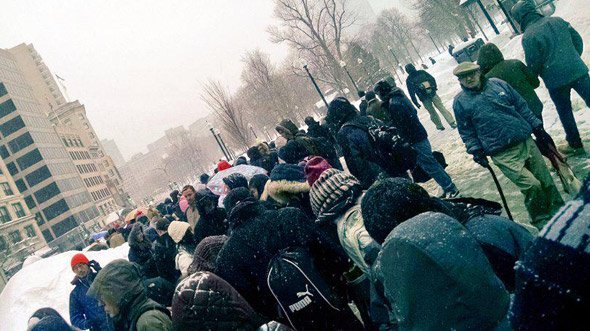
pixel 494 120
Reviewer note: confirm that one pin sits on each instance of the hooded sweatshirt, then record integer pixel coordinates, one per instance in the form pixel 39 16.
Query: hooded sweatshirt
pixel 119 282
pixel 513 72
pixel 420 83
pixel 438 278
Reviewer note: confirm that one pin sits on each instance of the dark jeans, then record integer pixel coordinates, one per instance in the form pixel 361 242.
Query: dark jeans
pixel 562 99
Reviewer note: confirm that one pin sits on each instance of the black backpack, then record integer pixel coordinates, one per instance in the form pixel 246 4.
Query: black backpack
pixel 303 296
pixel 395 154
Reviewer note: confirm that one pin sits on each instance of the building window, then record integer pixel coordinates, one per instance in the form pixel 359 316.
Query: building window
pixel 4 215
pixel 47 193
pixel 15 237
pixel 12 168
pixel 4 152
pixel 30 230
pixel 65 142
pixel 3 91
pixel 38 176
pixel 20 184
pixel 55 210
pixel 6 188
pixel 39 219
pixel 20 142
pixel 18 209
pixel 29 159
pixel 3 244
pixel 6 107
pixel 12 126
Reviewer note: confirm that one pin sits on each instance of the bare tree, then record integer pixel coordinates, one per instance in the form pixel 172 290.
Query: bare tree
pixel 228 111
pixel 317 29
pixel 444 18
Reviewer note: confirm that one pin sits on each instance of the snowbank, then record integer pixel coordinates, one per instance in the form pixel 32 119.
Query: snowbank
pixel 45 283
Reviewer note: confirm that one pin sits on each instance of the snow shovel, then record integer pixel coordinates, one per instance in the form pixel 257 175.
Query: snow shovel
pixel 500 191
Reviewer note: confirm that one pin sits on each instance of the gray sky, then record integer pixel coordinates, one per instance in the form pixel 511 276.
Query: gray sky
pixel 138 65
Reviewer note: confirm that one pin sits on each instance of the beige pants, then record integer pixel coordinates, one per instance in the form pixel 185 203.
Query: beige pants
pixel 435 101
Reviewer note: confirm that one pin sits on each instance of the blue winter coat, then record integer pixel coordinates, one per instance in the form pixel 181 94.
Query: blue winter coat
pixel 493 119
pixel 552 50
pixel 404 116
pixel 85 312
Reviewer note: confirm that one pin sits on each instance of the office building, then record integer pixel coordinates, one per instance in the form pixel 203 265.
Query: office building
pixel 112 150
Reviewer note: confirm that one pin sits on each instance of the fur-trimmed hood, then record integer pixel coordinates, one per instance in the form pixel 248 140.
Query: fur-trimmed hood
pixel 282 191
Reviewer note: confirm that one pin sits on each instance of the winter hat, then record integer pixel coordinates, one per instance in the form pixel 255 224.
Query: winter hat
pixel 223 165
pixel 206 254
pixel 204 179
pixel 177 230
pixel 234 197
pixel 465 68
pixel 204 301
pixel 254 153
pixel 333 191
pixel 203 197
pixel 286 180
pixel 162 224
pixel 183 204
pixel 51 323
pixel 293 152
pixel 258 182
pixel 391 201
pixel 240 161
pixel 370 96
pixel 314 168
pixel 522 9
pixel 383 88
pixel 235 180
pixel 77 259
pixel 339 111
pixel 410 68
pixel 309 121
pixel 287 125
pixel 489 56
pixel 552 291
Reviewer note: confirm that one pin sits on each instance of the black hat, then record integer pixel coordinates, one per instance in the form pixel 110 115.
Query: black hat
pixel 162 224
pixel 235 180
pixel 390 202
pixel 293 152
pixel 234 197
pixel 340 110
pixel 382 88
pixel 204 178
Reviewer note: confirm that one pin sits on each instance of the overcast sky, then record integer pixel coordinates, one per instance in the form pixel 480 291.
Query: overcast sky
pixel 138 65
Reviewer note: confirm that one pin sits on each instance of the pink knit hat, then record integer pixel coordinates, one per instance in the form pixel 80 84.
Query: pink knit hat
pixel 183 204
pixel 314 168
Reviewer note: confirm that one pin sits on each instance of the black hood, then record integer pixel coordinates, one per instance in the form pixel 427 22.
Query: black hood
pixel 489 56
pixel 244 211
pixel 525 13
pixel 340 111
pixel 410 69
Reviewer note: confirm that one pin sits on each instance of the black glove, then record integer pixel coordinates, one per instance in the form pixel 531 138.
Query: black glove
pixel 543 140
pixel 94 265
pixel 480 158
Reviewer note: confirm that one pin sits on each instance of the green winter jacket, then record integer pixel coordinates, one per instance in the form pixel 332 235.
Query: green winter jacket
pixel 513 72
pixel 552 49
pixel 437 277
pixel 120 282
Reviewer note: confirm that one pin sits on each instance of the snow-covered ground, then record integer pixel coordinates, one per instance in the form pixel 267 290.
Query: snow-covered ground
pixel 472 179
pixel 45 283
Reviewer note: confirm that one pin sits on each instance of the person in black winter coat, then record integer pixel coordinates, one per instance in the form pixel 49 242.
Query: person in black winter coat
pixel 140 250
pixel 261 156
pixel 47 319
pixel 164 252
pixel 392 201
pixel 316 130
pixel 362 158
pixel 211 218
pixel 235 180
pixel 257 235
pixel 422 84
pixel 256 185
pixel 404 118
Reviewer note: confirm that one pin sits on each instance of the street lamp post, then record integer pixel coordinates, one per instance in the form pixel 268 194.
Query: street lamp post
pixel 396 61
pixel 229 152
pixel 317 88
pixel 360 62
pixel 267 134
pixel 252 129
pixel 343 66
pixel 217 140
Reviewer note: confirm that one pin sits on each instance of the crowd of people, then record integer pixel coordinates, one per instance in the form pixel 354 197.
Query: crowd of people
pixel 320 244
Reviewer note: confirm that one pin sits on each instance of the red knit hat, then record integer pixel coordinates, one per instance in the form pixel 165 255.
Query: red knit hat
pixel 79 258
pixel 222 165
pixel 314 168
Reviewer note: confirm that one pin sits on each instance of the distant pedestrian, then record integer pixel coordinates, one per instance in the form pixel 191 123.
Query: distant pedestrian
pixel 422 84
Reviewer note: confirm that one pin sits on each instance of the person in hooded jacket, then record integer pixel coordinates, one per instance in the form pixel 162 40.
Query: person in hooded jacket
pixel 85 311
pixel 261 156
pixel 374 107
pixel 392 201
pixel 362 158
pixel 212 220
pixel 404 117
pixel 514 72
pixel 288 188
pixel 422 84
pixel 235 180
pixel 316 130
pixel 119 287
pixel 165 251
pixel 183 237
pixel 553 49
pixel 494 120
pixel 256 236
pixel 437 277
pixel 206 253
